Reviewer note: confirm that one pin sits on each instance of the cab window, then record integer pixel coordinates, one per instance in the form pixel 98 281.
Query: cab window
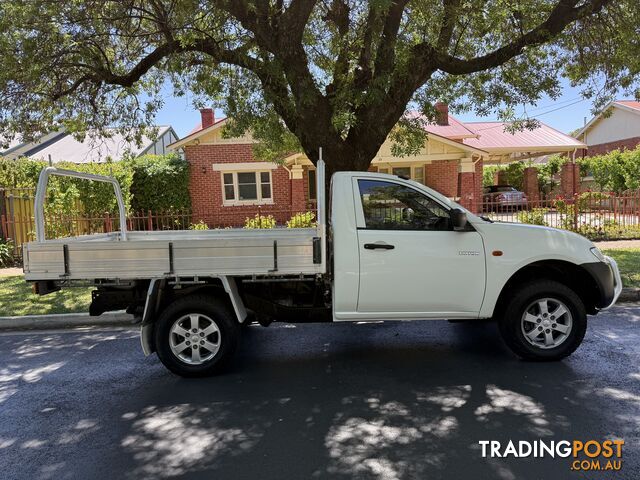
pixel 391 206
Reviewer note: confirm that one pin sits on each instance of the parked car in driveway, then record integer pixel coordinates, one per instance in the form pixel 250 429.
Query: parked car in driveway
pixel 503 197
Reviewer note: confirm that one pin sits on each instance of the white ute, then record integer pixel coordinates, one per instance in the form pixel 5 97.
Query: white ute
pixel 392 250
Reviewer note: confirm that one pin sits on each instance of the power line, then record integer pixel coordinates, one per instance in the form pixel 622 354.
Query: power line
pixel 559 108
pixel 534 116
pixel 555 104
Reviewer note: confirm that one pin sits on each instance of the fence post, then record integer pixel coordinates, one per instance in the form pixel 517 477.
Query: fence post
pixel 107 223
pixel 576 206
pixel 3 227
pixel 149 221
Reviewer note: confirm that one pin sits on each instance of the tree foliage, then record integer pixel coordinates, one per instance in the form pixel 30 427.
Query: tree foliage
pixel 615 171
pixel 306 73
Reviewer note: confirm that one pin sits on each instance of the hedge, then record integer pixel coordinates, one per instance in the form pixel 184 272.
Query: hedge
pixel 150 182
pixel 160 183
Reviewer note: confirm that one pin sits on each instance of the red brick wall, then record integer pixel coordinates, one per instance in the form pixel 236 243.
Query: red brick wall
pixel 569 178
pixel 478 187
pixel 500 178
pixel 531 186
pixel 205 186
pixel 625 144
pixel 470 188
pixel 466 190
pixel 442 176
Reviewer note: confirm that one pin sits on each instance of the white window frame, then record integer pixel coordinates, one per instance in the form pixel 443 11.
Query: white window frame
pixel 390 166
pixel 235 200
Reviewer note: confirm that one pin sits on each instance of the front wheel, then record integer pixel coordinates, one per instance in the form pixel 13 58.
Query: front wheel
pixel 544 320
pixel 196 336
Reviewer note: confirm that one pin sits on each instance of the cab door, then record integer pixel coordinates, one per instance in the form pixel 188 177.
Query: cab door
pixel 412 263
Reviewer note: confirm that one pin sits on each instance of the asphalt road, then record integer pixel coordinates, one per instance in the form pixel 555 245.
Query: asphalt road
pixel 389 400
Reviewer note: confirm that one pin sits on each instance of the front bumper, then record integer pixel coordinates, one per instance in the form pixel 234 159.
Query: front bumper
pixel 617 281
pixel 607 279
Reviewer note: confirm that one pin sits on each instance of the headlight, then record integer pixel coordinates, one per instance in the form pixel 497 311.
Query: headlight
pixel 598 254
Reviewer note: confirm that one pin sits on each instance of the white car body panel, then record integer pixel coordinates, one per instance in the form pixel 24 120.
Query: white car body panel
pixel 433 274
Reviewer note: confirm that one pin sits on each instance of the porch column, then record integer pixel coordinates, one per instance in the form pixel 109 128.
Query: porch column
pixel 467 185
pixel 500 178
pixel 298 198
pixel 530 185
pixel 569 179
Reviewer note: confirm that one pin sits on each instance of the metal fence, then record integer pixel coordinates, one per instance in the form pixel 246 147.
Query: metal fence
pixel 597 215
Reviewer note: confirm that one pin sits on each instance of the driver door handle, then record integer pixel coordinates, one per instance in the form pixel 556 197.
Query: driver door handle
pixel 378 245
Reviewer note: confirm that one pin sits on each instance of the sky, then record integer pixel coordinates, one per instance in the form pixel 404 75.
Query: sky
pixel 566 113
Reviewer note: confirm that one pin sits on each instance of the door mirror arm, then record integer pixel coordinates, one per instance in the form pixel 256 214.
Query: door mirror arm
pixel 458 219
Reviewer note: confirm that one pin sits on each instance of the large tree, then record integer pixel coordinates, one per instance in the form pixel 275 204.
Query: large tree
pixel 339 74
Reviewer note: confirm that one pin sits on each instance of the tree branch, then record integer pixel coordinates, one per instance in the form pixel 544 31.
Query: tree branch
pixel 560 17
pixel 450 18
pixel 385 57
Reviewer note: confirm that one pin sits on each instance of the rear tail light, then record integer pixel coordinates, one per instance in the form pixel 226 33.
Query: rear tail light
pixel 500 197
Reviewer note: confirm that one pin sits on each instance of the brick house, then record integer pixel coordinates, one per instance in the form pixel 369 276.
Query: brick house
pixel 617 127
pixel 228 184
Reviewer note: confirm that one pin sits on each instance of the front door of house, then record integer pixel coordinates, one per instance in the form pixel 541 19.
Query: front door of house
pixel 412 263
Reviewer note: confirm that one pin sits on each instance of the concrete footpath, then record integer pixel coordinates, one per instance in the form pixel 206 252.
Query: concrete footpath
pixel 613 244
pixel 65 320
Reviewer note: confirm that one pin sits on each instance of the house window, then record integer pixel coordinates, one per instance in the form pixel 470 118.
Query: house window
pixel 418 174
pixel 311 175
pixel 402 171
pixel 246 187
pixel 413 172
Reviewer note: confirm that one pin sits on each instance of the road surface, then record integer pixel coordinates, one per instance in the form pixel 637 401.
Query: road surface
pixel 388 400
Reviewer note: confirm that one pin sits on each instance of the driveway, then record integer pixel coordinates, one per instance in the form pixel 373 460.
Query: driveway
pixel 389 400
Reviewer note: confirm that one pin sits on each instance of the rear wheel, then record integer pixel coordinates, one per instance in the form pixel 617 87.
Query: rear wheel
pixel 196 336
pixel 544 320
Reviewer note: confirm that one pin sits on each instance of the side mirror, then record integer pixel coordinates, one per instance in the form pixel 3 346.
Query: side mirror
pixel 458 219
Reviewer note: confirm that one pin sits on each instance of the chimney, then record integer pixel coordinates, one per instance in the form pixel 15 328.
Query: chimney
pixel 208 117
pixel 442 113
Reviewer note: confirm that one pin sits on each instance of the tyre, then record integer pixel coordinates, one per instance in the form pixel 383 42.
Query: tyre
pixel 196 336
pixel 544 320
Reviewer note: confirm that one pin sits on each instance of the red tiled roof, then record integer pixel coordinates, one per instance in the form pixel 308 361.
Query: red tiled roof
pixel 492 136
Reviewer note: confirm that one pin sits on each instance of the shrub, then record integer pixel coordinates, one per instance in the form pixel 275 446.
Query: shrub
pixel 535 216
pixel 567 214
pixel 589 200
pixel 302 220
pixel 6 253
pixel 199 226
pixel 160 182
pixel 616 171
pixel 260 221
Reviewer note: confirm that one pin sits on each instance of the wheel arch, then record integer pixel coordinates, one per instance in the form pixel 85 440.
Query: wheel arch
pixel 574 276
pixel 161 294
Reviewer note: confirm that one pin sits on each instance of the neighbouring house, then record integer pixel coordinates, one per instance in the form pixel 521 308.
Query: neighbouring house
pixel 228 184
pixel 61 146
pixel 616 127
